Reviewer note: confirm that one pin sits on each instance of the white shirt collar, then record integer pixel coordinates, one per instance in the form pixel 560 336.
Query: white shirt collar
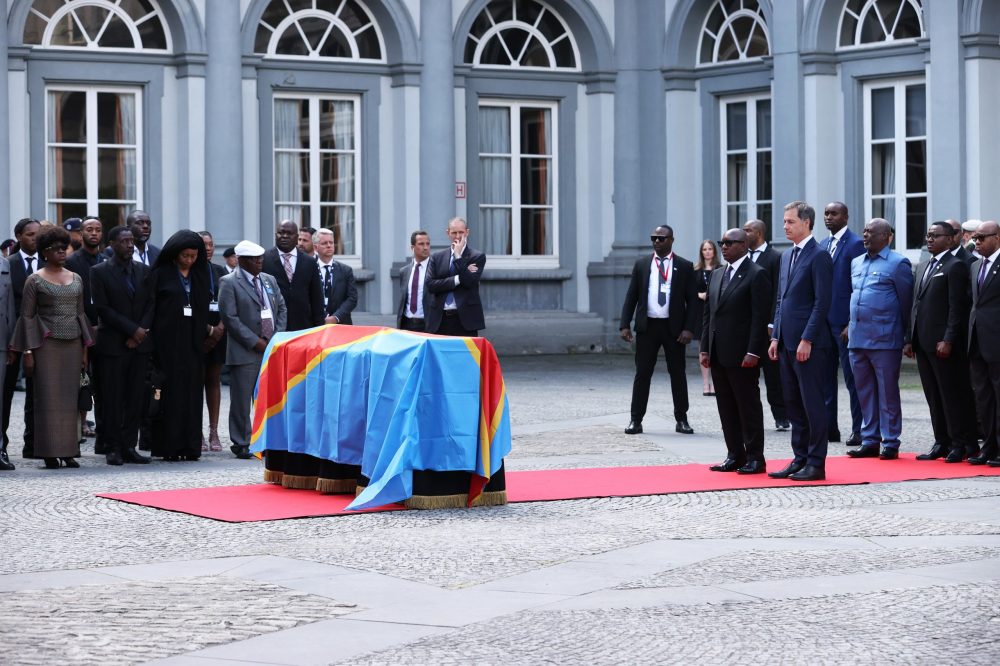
pixel 840 234
pixel 938 256
pixel 329 263
pixel 802 243
pixel 294 252
pixel 736 264
pixel 993 257
pixel 25 257
pixel 422 264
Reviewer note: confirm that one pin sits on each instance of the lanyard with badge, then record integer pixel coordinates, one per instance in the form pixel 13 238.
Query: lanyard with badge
pixel 186 284
pixel 663 268
pixel 213 306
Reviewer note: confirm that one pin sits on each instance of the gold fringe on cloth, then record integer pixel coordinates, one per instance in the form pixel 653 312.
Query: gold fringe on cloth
pixel 492 498
pixel 360 489
pixel 299 482
pixel 273 476
pixel 336 486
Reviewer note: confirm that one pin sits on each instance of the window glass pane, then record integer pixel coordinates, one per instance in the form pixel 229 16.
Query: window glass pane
pixel 871 29
pixel 736 215
pixel 336 124
pixel 736 179
pixel 117 35
pixel 291 43
pixel 262 39
pixel 757 45
pixel 908 26
pixel 352 15
pixel 763 123
pixel 916 112
pixel 67 117
pixel 67 33
pixel 368 46
pixel 764 214
pixel 337 171
pixel 736 126
pixel 494 54
pixel 152 34
pixel 516 39
pixel 34 28
pixel 847 29
pixel 341 220
pixel 534 131
pixel 314 29
pixel 336 45
pixel 112 214
pixel 116 173
pixel 916 166
pixel 536 231
pixel 883 169
pixel 61 211
pixel 916 222
pixel 494 129
pixel 495 172
pixel 763 174
pixel 275 13
pixel 291 176
pixel 297 214
pixel 496 230
pixel 116 118
pixel 136 8
pixel 291 123
pixel 883 113
pixel 67 173
pixel 536 56
pixel 728 49
pixel 536 181
pixel 563 51
pixel 886 209
pixel 92 18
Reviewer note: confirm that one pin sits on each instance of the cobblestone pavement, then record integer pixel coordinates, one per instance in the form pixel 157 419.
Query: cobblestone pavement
pixel 894 573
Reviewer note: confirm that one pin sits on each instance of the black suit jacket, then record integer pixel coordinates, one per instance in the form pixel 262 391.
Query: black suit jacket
pixel 18 274
pixel 342 297
pixel 405 276
pixel 120 314
pixel 770 261
pixel 440 281
pixel 304 296
pixel 940 304
pixel 735 320
pixel 984 321
pixel 965 256
pixel 152 252
pixel 81 263
pixel 683 306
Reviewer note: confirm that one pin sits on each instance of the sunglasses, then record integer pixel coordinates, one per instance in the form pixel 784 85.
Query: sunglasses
pixel 979 238
pixel 727 243
pixel 659 239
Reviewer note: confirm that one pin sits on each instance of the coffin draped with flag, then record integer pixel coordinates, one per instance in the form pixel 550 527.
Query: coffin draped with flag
pixel 391 401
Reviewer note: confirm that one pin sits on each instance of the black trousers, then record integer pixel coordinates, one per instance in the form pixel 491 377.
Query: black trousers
pixel 948 390
pixel 737 393
pixel 772 382
pixel 451 324
pixel 986 385
pixel 647 348
pixel 412 325
pixel 9 384
pixel 120 380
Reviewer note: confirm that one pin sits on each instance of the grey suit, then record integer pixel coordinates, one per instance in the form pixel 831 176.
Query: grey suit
pixel 8 316
pixel 240 311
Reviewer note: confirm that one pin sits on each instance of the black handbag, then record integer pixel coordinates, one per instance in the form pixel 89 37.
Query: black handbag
pixel 85 397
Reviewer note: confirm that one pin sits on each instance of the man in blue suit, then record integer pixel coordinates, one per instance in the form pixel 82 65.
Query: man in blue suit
pixel 843 245
pixel 881 300
pixel 801 342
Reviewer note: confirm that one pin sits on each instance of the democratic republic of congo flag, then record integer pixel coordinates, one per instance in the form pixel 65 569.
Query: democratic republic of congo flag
pixel 391 401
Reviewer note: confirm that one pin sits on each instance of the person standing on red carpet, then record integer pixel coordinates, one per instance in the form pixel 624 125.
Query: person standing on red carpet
pixel 984 340
pixel 733 340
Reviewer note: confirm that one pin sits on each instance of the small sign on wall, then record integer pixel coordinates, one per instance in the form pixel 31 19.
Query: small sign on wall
pixel 460 189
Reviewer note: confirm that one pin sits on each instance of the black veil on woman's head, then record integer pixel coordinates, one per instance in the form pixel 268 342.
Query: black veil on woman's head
pixel 185 239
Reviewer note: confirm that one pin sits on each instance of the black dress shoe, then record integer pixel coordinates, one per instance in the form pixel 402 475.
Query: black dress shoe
pixel 70 462
pixel 753 467
pixel 792 468
pixel 937 451
pixel 809 473
pixel 727 465
pixel 854 439
pixel 115 458
pixel 134 457
pixel 633 428
pixel 52 463
pixel 993 463
pixel 981 459
pixel 243 452
pixel 867 451
pixel 5 464
pixel 954 456
pixel 683 428
pixel 782 426
pixel 833 436
pixel 888 454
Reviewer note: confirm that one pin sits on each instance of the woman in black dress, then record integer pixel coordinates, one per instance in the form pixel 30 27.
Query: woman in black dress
pixel 708 261
pixel 215 357
pixel 180 284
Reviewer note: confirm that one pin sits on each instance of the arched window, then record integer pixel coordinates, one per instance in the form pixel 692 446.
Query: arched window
pixel 734 30
pixel 525 34
pixel 874 21
pixel 97 24
pixel 328 29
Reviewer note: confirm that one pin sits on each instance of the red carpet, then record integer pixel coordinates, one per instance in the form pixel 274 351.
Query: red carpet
pixel 237 504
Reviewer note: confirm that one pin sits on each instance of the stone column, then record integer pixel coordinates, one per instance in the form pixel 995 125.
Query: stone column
pixel 224 122
pixel 946 118
pixel 437 117
pixel 4 124
pixel 788 113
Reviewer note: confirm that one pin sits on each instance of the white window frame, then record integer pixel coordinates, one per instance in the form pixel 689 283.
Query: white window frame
pixel 743 12
pixel 516 259
pixel 335 21
pixel 751 151
pixel 889 39
pixel 92 146
pixel 531 29
pixel 115 11
pixel 315 174
pixel 900 195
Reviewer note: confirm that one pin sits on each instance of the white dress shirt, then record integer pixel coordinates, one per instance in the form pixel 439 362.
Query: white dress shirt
pixel 419 314
pixel 653 308
pixel 755 254
pixel 24 260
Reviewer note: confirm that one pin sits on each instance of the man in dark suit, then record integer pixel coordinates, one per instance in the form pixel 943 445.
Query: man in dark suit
pixel 340 295
pixel 957 247
pixel 733 340
pixel 937 337
pixel 410 313
pixel 125 312
pixel 22 264
pixel 984 340
pixel 801 341
pixel 843 245
pixel 298 278
pixel 7 320
pixel 764 255
pixel 662 296
pixel 451 302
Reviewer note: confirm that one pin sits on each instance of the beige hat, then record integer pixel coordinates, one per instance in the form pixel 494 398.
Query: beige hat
pixel 971 225
pixel 247 248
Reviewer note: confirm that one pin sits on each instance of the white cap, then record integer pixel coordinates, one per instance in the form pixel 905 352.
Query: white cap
pixel 971 225
pixel 247 248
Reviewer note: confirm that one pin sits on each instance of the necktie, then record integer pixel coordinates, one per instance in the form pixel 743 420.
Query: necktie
pixel 31 268
pixel 449 300
pixel 327 282
pixel 266 324
pixel 927 273
pixel 726 278
pixel 414 289
pixel 983 271
pixel 661 298
pixel 286 259
pixel 129 282
pixel 833 246
pixel 753 255
pixel 795 255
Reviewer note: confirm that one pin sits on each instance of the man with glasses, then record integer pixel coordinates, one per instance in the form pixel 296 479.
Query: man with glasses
pixel 957 246
pixel 984 340
pixel 937 338
pixel 733 340
pixel 662 297
pixel 881 301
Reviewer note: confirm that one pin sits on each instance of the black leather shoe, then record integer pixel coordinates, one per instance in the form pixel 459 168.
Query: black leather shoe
pixel 115 458
pixel 51 463
pixel 753 467
pixel 809 473
pixel 633 428
pixel 792 468
pixel 981 459
pixel 833 436
pixel 888 454
pixel 5 464
pixel 727 465
pixel 70 462
pixel 240 451
pixel 954 456
pixel 993 463
pixel 134 457
pixel 683 428
pixel 782 426
pixel 937 451
pixel 854 439
pixel 868 451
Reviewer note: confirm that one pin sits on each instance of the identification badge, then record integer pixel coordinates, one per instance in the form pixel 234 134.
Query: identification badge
pixel 213 306
pixel 664 288
pixel 266 313
pixel 187 311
